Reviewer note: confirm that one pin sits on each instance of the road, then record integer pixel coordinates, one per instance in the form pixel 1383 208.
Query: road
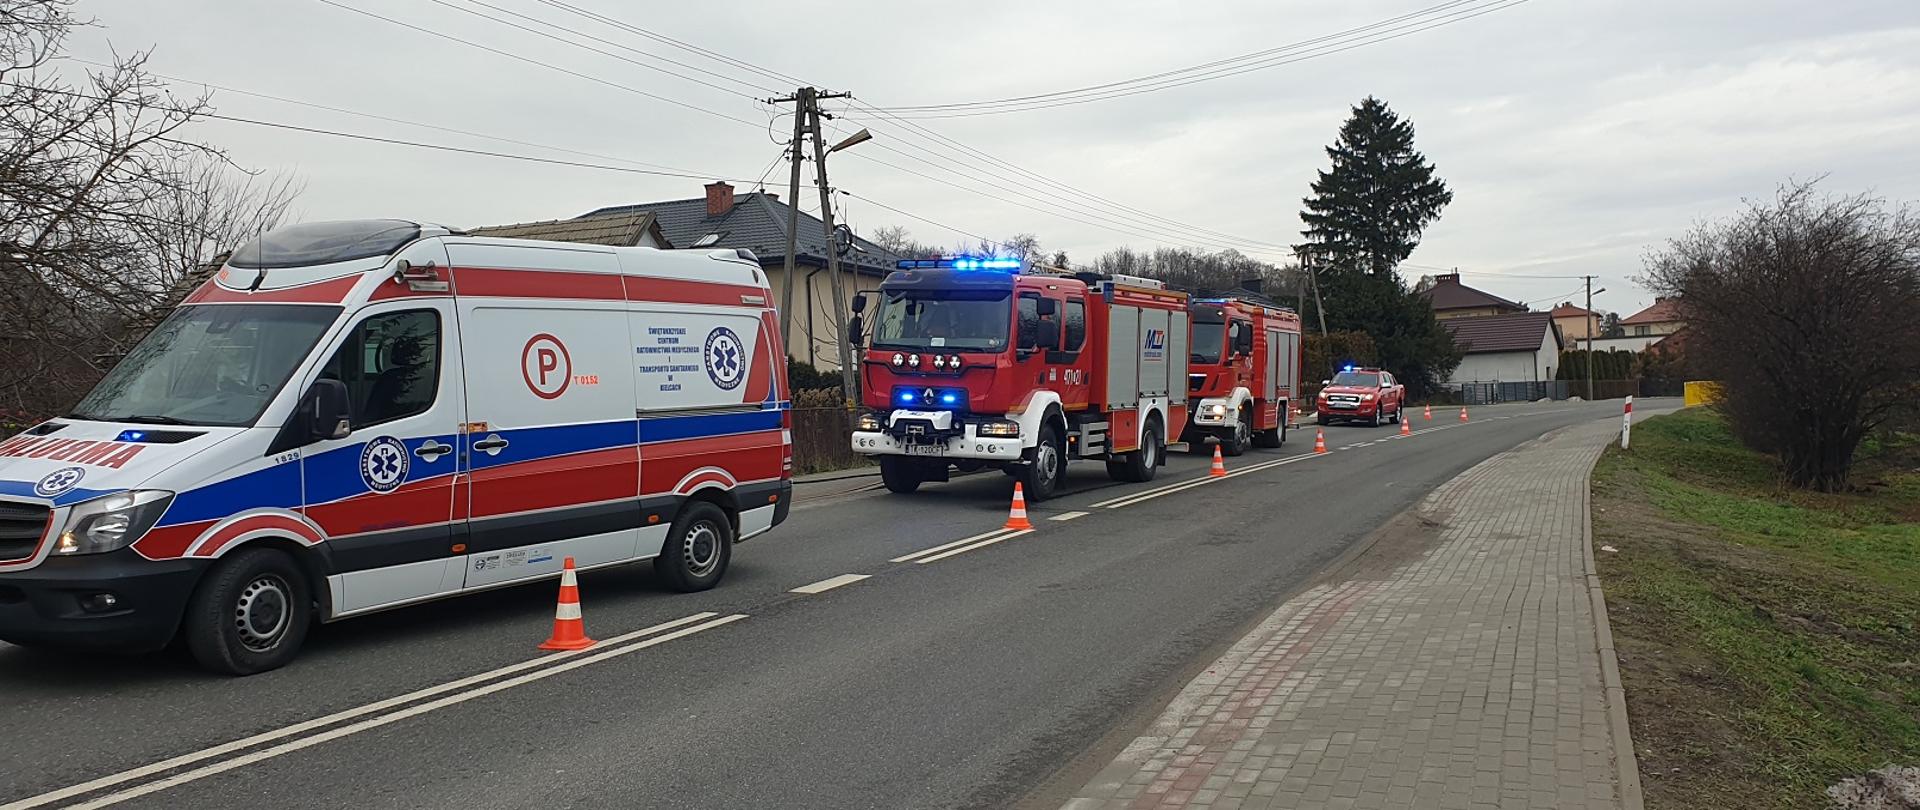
pixel 972 674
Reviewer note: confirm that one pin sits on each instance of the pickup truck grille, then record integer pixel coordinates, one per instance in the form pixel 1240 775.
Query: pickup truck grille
pixel 21 528
pixel 1343 397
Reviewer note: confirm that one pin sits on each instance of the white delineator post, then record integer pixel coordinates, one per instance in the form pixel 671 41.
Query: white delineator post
pixel 1626 424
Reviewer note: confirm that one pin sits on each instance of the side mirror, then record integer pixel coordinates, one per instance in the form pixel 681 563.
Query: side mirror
pixel 328 412
pixel 1325 383
pixel 856 326
pixel 1047 307
pixel 1047 338
pixel 859 303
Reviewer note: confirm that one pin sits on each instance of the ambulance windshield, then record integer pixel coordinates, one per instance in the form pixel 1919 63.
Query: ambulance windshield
pixel 962 320
pixel 213 364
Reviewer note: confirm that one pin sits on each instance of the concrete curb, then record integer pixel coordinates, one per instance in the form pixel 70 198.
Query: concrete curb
pixel 1631 797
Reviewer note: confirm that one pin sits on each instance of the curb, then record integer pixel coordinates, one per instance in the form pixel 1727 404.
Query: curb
pixel 1631 797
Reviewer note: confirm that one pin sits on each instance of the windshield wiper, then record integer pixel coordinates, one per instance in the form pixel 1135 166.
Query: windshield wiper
pixel 153 420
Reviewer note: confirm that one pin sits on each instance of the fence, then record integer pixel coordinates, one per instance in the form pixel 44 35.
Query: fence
pixel 1487 393
pixel 822 430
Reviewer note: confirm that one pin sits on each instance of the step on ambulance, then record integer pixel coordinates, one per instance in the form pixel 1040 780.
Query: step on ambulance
pixel 353 416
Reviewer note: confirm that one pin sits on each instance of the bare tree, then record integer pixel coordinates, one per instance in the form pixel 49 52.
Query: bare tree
pixel 104 208
pixel 1802 308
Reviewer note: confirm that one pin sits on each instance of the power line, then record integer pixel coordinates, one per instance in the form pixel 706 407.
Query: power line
pixel 1371 38
pixel 667 40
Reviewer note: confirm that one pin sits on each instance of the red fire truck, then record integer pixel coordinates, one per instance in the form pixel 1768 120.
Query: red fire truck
pixel 1243 373
pixel 981 362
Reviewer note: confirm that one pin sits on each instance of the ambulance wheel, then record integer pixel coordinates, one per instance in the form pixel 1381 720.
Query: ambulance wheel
pixel 900 474
pixel 1237 442
pixel 1046 466
pixel 698 549
pixel 1140 465
pixel 250 614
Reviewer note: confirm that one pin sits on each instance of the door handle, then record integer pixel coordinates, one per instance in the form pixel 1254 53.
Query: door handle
pixel 491 445
pixel 431 451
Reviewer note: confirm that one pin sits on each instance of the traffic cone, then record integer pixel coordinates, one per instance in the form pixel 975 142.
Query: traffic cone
pixel 1320 441
pixel 1463 413
pixel 1017 516
pixel 1405 428
pixel 569 630
pixel 1429 411
pixel 1219 465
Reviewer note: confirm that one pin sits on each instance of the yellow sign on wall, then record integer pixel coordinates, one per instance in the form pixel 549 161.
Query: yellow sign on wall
pixel 1702 393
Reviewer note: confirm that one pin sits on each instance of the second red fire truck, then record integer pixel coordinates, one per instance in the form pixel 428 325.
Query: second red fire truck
pixel 1243 373
pixel 980 362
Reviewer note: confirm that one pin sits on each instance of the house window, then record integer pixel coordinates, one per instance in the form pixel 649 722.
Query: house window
pixel 710 239
pixel 1642 331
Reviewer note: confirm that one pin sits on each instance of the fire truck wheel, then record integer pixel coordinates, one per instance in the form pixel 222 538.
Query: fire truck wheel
pixel 698 549
pixel 1237 442
pixel 900 474
pixel 1271 438
pixel 1046 466
pixel 250 614
pixel 1140 465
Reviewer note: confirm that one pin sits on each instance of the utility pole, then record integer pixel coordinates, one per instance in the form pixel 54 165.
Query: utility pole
pixel 1589 280
pixel 806 122
pixel 1320 309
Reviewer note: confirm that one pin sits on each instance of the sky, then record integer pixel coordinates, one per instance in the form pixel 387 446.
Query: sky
pixel 1577 135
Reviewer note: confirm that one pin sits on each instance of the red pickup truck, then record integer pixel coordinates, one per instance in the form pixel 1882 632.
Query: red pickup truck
pixel 1367 395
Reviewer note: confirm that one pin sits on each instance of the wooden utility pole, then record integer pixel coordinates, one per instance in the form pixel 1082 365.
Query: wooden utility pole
pixel 1590 397
pixel 803 102
pixel 806 122
pixel 842 340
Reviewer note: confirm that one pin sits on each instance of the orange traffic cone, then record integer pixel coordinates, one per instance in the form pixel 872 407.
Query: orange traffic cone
pixel 1429 411
pixel 569 630
pixel 1219 464
pixel 1017 516
pixel 1405 428
pixel 1463 413
pixel 1320 441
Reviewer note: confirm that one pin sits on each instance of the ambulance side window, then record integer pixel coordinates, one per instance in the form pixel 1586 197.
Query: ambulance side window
pixel 391 366
pixel 1076 325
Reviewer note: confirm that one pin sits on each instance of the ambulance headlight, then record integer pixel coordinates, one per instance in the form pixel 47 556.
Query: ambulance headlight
pixel 111 522
pixel 999 429
pixel 867 422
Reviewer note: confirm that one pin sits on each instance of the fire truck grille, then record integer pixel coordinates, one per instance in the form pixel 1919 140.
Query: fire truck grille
pixel 1196 381
pixel 21 526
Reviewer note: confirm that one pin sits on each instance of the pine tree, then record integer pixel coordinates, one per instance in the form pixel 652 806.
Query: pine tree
pixel 1368 211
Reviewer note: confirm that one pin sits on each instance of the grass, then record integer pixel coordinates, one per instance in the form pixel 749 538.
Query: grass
pixel 1767 636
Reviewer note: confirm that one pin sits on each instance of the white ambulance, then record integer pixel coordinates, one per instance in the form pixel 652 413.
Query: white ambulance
pixel 353 416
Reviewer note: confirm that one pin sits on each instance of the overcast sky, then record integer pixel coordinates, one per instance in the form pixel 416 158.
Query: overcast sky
pixel 1576 134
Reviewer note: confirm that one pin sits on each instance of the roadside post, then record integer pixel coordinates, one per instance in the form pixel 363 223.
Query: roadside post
pixel 1626 424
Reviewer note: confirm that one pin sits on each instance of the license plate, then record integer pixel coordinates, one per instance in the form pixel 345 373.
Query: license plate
pixel 1345 405
pixel 926 449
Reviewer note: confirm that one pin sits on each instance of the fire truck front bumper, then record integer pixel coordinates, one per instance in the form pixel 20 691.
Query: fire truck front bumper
pixel 1213 412
pixel 935 434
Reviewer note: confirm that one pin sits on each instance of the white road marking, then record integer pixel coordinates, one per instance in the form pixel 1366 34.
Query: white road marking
pixel 562 662
pixel 1130 500
pixel 964 549
pixel 830 583
pixel 925 551
pixel 1069 515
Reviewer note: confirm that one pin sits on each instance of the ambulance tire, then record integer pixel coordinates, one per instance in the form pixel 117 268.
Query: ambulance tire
pixel 250 614
pixel 698 549
pixel 1037 481
pixel 900 474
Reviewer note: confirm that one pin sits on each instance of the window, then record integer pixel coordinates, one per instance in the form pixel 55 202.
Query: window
pixel 217 364
pixel 709 240
pixel 391 366
pixel 1076 324
pixel 1029 323
pixel 1642 331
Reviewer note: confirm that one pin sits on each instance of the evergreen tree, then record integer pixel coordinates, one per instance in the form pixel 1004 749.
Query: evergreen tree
pixel 1368 211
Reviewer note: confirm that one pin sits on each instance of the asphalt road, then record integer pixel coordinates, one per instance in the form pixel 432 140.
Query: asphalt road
pixel 954 675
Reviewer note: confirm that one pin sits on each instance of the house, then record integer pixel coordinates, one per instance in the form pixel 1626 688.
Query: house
pixel 1451 299
pixel 1513 347
pixel 619 229
pixel 757 221
pixel 1576 323
pixel 1663 318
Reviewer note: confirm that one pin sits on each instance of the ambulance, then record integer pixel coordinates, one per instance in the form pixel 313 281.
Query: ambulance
pixel 355 416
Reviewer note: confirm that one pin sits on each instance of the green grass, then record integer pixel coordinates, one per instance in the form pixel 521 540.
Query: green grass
pixel 1773 629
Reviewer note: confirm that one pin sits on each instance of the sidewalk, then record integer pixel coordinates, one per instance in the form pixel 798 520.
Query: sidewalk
pixel 1465 673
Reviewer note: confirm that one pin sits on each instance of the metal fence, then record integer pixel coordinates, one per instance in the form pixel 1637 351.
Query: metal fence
pixel 1487 393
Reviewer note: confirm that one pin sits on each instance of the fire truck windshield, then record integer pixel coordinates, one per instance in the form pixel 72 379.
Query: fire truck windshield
pixel 953 320
pixel 215 364
pixel 1208 338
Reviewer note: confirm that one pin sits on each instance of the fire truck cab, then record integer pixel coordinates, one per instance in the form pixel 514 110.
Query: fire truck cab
pixel 1243 374
pixel 979 362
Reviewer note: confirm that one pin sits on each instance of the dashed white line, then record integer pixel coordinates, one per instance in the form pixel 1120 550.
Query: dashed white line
pixel 567 662
pixel 830 583
pixel 964 549
pixel 1069 515
pixel 936 549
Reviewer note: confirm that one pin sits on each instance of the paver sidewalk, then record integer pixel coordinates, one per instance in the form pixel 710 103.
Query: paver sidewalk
pixel 1468 676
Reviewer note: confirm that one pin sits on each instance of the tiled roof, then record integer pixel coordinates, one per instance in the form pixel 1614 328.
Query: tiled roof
pixel 1448 293
pixel 1664 310
pixel 757 222
pixel 1567 310
pixel 1514 332
pixel 622 229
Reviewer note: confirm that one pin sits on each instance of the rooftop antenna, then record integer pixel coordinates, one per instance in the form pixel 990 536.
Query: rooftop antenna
pixel 259 256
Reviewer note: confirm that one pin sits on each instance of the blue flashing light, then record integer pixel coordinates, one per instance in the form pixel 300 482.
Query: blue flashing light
pixel 1349 367
pixel 961 263
pixel 908 396
pixel 949 398
pixel 132 436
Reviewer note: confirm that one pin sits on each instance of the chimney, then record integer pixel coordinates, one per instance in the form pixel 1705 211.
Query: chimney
pixel 719 198
pixel 1253 285
pixel 1447 278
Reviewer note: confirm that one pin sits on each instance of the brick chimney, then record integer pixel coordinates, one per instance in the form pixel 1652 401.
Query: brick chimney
pixel 719 198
